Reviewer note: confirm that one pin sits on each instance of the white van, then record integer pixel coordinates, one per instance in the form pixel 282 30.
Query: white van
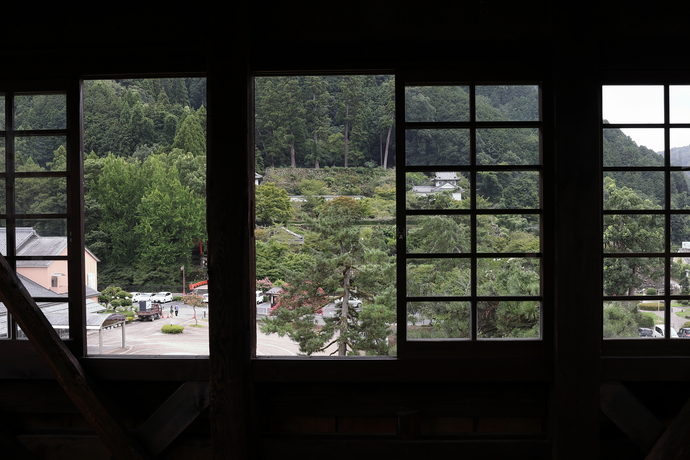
pixel 658 331
pixel 259 297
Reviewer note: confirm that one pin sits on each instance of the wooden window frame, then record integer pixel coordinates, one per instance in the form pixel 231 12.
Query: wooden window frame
pixel 642 347
pixel 517 358
pixel 183 368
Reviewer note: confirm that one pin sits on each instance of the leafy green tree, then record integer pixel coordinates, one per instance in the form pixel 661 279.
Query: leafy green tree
pixel 190 136
pixel 194 301
pixel 170 219
pixel 341 263
pixel 629 233
pixel 318 120
pixel 117 192
pixel 621 320
pixel 350 111
pixel 272 205
pixel 115 296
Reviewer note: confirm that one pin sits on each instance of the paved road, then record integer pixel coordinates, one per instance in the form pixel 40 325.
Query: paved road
pixel 676 321
pixel 146 338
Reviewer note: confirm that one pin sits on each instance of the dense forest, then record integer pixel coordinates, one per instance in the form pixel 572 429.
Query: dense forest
pixel 145 178
pixel 144 175
pixel 315 121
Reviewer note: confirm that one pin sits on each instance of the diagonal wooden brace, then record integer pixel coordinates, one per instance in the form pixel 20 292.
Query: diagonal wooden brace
pixel 67 370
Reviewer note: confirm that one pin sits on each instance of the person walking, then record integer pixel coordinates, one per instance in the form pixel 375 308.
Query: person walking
pixel 177 310
pixel 171 311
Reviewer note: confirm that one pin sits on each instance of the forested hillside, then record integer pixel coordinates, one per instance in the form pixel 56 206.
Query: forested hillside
pixel 145 178
pixel 314 121
pixel 144 175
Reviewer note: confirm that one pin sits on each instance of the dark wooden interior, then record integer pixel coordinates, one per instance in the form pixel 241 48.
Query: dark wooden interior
pixel 572 396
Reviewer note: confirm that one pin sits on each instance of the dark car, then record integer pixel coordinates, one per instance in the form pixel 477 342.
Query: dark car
pixel 645 331
pixel 684 332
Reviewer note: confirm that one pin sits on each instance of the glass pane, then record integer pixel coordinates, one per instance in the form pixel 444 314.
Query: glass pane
pixel 514 103
pixel 40 111
pixel 28 229
pixel 508 233
pixel 438 277
pixel 508 146
pixel 3 200
pixel 680 234
pixel 438 234
pixel 680 146
pixel 633 276
pixel 4 318
pixel 432 147
pixel 40 153
pixel 679 104
pixel 633 147
pixel 441 190
pixel 438 320
pixel 630 320
pixel 508 277
pixel 508 190
pixel 633 233
pixel 633 190
pixel 2 154
pixel 633 104
pixel 41 195
pixel 45 238
pixel 680 190
pixel 2 113
pixel 437 103
pixel 680 273
pixel 508 320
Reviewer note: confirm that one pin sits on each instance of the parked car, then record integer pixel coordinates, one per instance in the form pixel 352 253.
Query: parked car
pixel 684 332
pixel 354 302
pixel 204 298
pixel 162 297
pixel 143 296
pixel 135 296
pixel 259 297
pixel 658 331
pixel 645 332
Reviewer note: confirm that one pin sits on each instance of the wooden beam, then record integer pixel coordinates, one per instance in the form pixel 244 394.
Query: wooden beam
pixel 675 442
pixel 181 409
pixel 65 367
pixel 633 418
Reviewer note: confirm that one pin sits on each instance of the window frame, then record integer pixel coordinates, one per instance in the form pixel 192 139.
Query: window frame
pixel 532 351
pixel 638 346
pixel 113 367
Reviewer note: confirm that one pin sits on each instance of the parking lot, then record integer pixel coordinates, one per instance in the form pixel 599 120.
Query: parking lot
pixel 146 339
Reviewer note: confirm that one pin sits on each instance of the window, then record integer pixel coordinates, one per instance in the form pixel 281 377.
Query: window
pixel 466 258
pixel 145 217
pixel 471 256
pixel 144 138
pixel 39 140
pixel 646 210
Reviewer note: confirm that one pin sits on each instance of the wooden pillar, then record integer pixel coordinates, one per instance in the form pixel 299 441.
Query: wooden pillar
pixel 578 320
pixel 230 220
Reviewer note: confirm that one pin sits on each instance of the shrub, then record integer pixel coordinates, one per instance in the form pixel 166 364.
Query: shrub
pixel 651 291
pixel 645 321
pixel 651 306
pixel 177 298
pixel 172 329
